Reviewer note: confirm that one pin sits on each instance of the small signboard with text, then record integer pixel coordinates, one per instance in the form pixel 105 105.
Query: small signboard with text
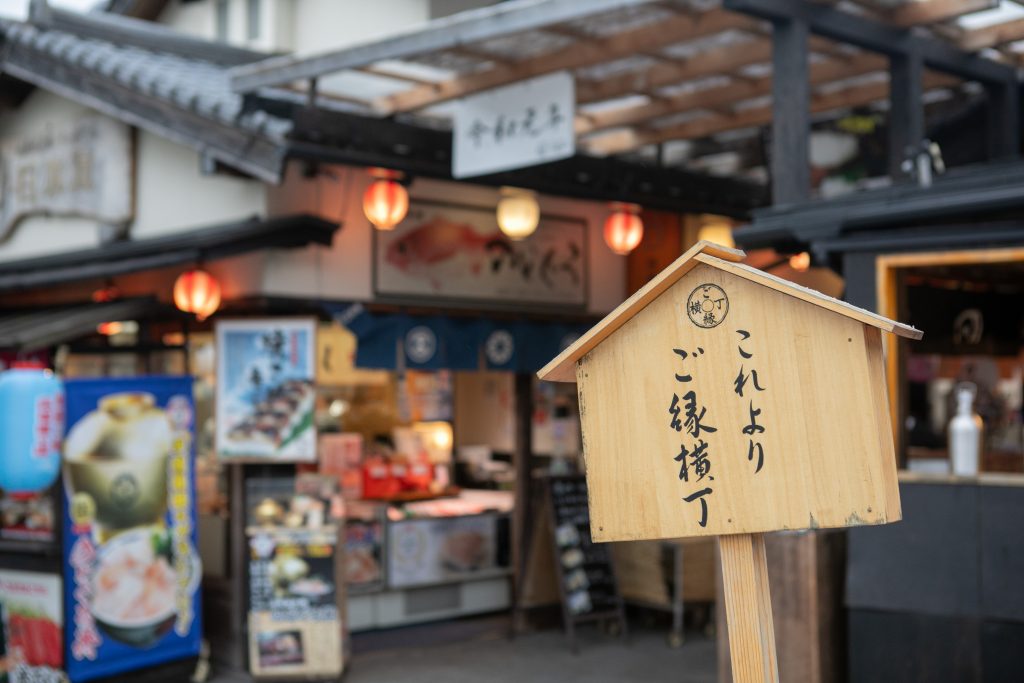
pixel 79 168
pixel 523 124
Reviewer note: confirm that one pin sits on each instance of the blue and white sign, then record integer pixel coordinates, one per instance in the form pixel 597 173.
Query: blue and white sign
pixel 515 126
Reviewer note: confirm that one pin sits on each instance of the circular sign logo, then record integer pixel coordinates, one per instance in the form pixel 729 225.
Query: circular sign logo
pixel 124 490
pixel 707 306
pixel 499 347
pixel 420 344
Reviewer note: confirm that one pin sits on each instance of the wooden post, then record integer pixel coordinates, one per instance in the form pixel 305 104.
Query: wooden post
pixel 906 111
pixel 791 113
pixel 748 609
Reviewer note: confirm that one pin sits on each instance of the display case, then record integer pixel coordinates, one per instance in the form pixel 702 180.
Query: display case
pixel 439 559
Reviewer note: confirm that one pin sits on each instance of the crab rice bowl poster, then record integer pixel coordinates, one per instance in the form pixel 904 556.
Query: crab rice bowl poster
pixel 458 252
pixel 265 389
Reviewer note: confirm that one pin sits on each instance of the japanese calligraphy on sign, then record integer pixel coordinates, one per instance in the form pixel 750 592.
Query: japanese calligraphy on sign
pixel 82 168
pixel 689 416
pixel 523 124
pixel 696 457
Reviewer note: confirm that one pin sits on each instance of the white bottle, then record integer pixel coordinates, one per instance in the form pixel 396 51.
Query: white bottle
pixel 965 430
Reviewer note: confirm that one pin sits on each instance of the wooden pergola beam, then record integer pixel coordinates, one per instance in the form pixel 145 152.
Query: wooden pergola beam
pixel 936 11
pixel 675 29
pixel 854 96
pixel 724 95
pixel 993 36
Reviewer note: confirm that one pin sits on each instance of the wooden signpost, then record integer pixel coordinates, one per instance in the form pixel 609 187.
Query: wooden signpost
pixel 722 401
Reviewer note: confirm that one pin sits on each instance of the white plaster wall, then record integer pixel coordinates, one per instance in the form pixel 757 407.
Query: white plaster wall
pixel 302 26
pixel 345 270
pixel 331 24
pixel 173 195
pixel 193 18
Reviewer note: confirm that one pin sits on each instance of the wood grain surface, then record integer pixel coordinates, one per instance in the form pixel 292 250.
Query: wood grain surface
pixel 828 458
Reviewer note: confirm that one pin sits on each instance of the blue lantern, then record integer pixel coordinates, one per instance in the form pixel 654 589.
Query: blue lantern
pixel 31 427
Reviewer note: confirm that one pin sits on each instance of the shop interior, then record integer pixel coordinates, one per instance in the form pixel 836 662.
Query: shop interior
pixel 969 307
pixel 415 473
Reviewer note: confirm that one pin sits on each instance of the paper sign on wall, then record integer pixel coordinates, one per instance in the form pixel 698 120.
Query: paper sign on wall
pixel 523 124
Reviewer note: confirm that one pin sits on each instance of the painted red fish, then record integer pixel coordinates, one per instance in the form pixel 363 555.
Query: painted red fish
pixel 439 240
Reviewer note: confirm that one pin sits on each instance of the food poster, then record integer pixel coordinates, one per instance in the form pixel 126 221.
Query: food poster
pixel 30 628
pixel 364 549
pixel 458 252
pixel 295 625
pixel 28 517
pixel 132 571
pixel 265 389
pixel 425 551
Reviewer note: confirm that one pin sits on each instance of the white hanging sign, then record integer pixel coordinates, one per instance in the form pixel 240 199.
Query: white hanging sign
pixel 523 124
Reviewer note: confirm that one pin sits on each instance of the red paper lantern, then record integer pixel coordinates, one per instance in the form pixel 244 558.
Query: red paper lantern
pixel 385 203
pixel 623 228
pixel 196 291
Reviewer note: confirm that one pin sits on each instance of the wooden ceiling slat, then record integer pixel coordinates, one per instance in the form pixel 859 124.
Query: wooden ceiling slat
pixel 672 30
pixel 719 60
pixel 854 96
pixel 728 94
pixel 935 11
pixel 481 55
pixel 393 75
pixel 993 36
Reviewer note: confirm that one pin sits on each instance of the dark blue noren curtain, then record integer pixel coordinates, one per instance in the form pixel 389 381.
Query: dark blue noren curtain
pixel 441 342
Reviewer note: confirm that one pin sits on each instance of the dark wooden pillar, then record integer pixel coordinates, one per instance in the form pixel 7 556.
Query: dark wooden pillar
pixel 906 110
pixel 791 113
pixel 1004 119
pixel 522 517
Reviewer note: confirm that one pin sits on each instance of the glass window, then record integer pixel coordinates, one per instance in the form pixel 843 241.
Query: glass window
pixel 252 10
pixel 222 10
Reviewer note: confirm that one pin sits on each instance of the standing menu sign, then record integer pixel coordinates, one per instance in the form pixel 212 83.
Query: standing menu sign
pixel 585 575
pixel 132 572
pixel 295 626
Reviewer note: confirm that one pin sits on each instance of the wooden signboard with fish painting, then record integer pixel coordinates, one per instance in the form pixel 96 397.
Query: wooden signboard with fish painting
pixel 455 252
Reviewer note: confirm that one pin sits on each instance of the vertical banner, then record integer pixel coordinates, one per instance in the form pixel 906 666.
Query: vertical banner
pixel 30 628
pixel 131 568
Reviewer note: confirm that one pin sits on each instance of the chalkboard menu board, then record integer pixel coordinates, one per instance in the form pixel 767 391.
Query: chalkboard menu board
pixel 585 574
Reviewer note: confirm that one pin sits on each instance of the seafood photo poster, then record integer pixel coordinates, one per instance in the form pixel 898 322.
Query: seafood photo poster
pixel 131 567
pixel 458 252
pixel 266 370
pixel 30 627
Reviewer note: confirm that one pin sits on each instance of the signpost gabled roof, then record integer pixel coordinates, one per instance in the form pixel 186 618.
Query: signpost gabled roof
pixel 562 368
